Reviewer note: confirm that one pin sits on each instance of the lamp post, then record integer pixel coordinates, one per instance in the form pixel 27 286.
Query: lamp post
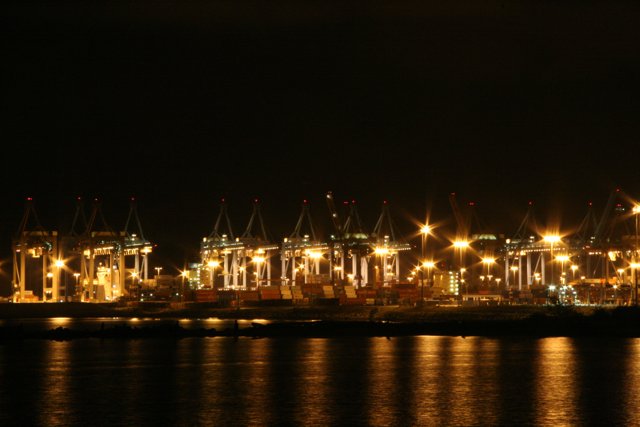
pixel 424 231
pixel 461 245
pixel 212 272
pixel 135 285
pixel 513 269
pixel 488 261
pixel 429 266
pixel 574 268
pixel 635 266
pixel 183 275
pixel 636 212
pixel 77 276
pixel 258 260
pixel 562 259
pixel 47 293
pixel 462 280
pixel 551 239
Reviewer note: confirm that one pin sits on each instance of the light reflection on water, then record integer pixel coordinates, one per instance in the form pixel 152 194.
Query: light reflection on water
pixel 94 323
pixel 421 380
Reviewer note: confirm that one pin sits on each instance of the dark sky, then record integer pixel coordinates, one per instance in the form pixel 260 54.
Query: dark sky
pixel 182 102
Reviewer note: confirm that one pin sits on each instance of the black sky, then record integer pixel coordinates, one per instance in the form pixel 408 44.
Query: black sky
pixel 182 102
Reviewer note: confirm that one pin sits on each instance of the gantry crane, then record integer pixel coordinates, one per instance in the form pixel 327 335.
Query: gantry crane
pixel 35 250
pixel 303 245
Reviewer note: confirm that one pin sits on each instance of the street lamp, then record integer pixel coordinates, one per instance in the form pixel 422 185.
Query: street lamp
pixel 424 232
pixel 461 245
pixel 158 270
pixel 258 260
pixel 212 272
pixel 488 261
pixel 46 293
pixel 636 212
pixel 77 276
pixel 513 269
pixel 635 266
pixel 429 266
pixel 551 239
pixel 462 280
pixel 574 268
pixel 562 259
pixel 60 264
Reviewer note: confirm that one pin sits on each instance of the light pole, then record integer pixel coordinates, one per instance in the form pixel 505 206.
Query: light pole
pixel 47 293
pixel 562 259
pixel 158 270
pixel 212 272
pixel 429 266
pixel 59 264
pixel 462 280
pixel 636 212
pixel 461 245
pixel 424 231
pixel 513 269
pixel 551 239
pixel 258 260
pixel 488 261
pixel 135 285
pixel 183 275
pixel 635 266
pixel 574 268
pixel 77 276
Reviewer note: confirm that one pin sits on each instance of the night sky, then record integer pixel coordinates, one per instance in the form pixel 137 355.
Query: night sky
pixel 182 102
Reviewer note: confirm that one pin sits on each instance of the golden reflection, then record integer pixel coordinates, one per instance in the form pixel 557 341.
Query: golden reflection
pixel 314 383
pixel 432 379
pixel 556 385
pixel 476 397
pixel 383 383
pixel 59 321
pixel 631 393
pixel 258 358
pixel 55 384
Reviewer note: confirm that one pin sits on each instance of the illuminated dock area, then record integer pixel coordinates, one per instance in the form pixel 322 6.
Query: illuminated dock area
pixel 595 262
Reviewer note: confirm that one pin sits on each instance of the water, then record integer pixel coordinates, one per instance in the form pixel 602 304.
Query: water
pixel 423 380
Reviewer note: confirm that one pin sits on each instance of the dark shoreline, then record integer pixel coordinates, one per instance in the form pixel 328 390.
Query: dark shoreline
pixel 309 321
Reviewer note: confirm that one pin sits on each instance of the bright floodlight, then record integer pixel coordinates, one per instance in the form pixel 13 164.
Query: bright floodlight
pixel 258 259
pixel 381 251
pixel 635 265
pixel 551 238
pixel 562 258
pixel 574 267
pixel 460 244
pixel 428 264
pixel 636 209
pixel 213 264
pixel 513 268
pixel 488 260
pixel 315 255
pixel 426 229
pixel 59 263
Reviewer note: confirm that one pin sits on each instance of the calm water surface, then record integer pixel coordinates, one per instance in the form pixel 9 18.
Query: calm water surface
pixel 424 380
